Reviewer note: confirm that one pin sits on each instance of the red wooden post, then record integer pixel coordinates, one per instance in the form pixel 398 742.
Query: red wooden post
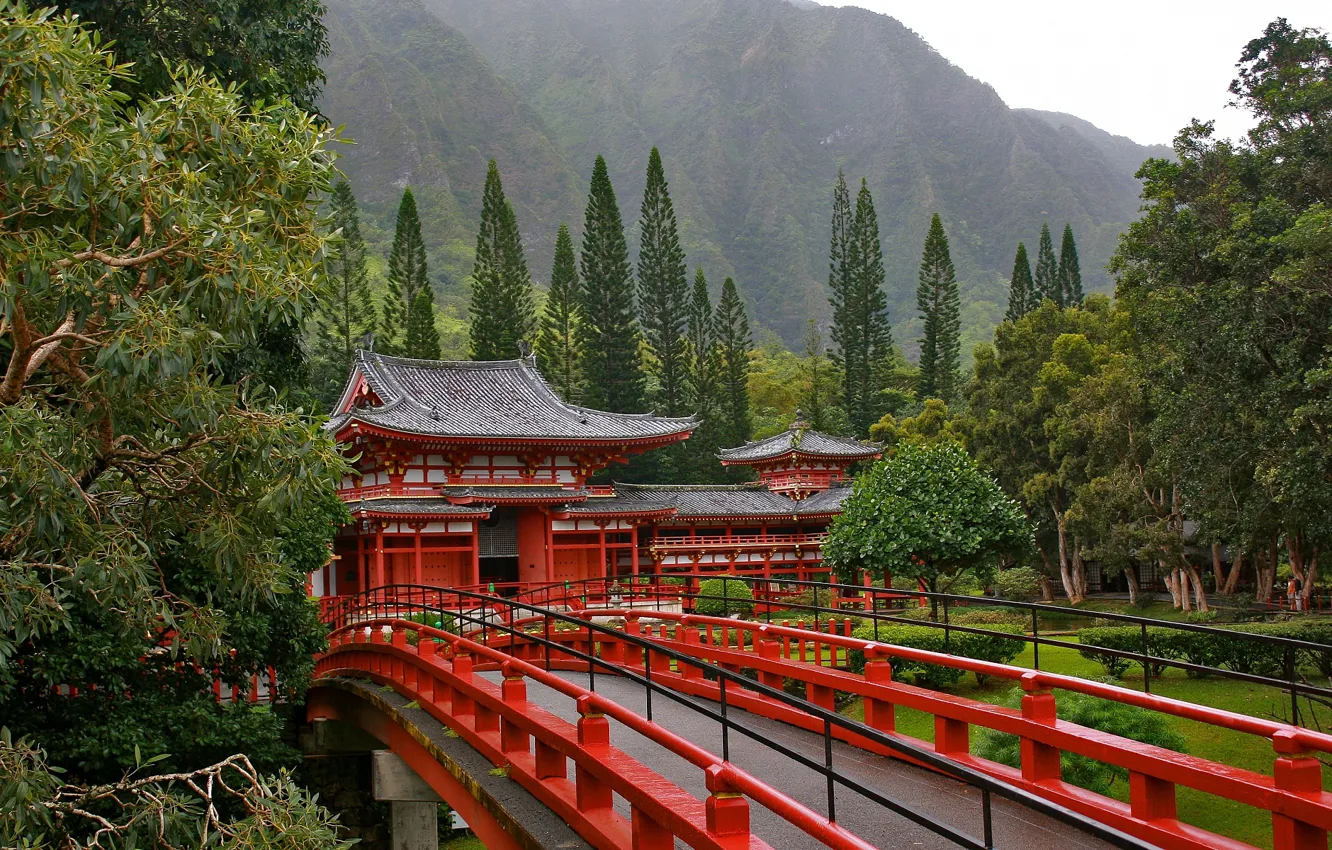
pixel 879 713
pixel 647 834
pixel 1151 798
pixel 1039 761
pixel 1295 770
pixel 550 762
pixel 463 704
pixel 771 650
pixel 425 680
pixel 820 695
pixel 593 734
pixel 689 636
pixel 727 811
pixel 513 739
pixel 951 737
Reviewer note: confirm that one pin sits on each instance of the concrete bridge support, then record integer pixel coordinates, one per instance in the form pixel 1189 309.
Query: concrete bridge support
pixel 414 805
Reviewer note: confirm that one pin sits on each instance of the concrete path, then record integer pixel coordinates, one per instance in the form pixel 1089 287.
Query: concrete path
pixel 941 799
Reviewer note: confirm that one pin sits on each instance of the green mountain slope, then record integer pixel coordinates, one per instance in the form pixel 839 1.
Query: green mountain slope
pixel 426 110
pixel 754 104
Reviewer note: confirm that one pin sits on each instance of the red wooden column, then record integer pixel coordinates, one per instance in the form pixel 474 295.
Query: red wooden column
pixel 476 551
pixel 550 546
pixel 379 555
pixel 419 567
pixel 362 563
pixel 601 543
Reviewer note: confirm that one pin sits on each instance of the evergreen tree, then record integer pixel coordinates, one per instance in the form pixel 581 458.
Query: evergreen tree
pixel 406 276
pixel 846 328
pixel 611 362
pixel 701 385
pixel 503 311
pixel 818 398
pixel 1046 284
pixel 1070 274
pixel 940 313
pixel 1021 288
pixel 865 363
pixel 733 345
pixel 557 347
pixel 663 289
pixel 422 336
pixel 347 312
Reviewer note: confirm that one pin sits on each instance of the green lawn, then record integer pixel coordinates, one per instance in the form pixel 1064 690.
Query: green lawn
pixel 466 842
pixel 1232 748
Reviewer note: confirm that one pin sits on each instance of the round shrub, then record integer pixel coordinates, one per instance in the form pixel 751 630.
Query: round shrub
pixel 437 620
pixel 724 596
pixel 998 644
pixel 1020 584
pixel 1127 721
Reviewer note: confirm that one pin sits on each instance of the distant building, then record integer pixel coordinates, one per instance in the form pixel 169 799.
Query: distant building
pixel 476 472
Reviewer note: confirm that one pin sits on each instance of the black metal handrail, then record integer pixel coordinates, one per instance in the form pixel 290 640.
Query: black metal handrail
pixel 389 601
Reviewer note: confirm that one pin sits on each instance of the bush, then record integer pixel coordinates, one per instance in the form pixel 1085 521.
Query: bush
pixel 1020 584
pixel 1137 724
pixel 1212 650
pixel 732 597
pixel 437 620
pixel 811 596
pixel 993 646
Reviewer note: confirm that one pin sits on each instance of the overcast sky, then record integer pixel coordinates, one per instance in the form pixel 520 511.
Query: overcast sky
pixel 1138 68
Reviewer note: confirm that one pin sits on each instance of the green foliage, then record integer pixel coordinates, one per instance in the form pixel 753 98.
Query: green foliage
pixel 270 50
pixel 1210 650
pixel 1045 285
pixel 932 424
pixel 1021 584
pixel 663 290
pixel 422 340
pixel 1126 721
pixel 558 348
pixel 927 512
pixel 346 310
pixel 731 326
pixel 702 386
pixel 733 597
pixel 1021 287
pixel 503 312
pixel 157 520
pixel 435 619
pixel 937 301
pixel 407 277
pixel 611 360
pixel 860 327
pixel 992 646
pixel 819 380
pixel 1070 273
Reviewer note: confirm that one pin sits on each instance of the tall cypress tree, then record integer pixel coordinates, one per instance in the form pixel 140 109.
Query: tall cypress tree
pixel 1021 288
pixel 1070 274
pixel 406 277
pixel 702 393
pixel 1046 284
pixel 557 347
pixel 818 399
pixel 733 346
pixel 847 329
pixel 347 314
pixel 940 313
pixel 868 361
pixel 503 310
pixel 611 362
pixel 663 289
pixel 422 340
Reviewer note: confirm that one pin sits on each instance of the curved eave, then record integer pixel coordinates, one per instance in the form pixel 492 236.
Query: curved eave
pixel 358 512
pixel 796 453
pixel 792 517
pixel 354 427
pixel 510 500
pixel 648 513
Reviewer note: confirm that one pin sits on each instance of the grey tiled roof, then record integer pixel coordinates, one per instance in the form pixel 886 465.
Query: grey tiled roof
pixel 407 506
pixel 723 500
pixel 503 398
pixel 488 492
pixel 803 441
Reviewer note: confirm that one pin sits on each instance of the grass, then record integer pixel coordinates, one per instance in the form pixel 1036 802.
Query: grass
pixel 465 842
pixel 1226 817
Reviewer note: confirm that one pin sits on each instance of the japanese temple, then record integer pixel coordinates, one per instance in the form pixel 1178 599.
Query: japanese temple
pixel 469 473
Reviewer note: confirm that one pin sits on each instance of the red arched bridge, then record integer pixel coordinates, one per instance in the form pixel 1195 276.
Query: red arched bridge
pixel 557 718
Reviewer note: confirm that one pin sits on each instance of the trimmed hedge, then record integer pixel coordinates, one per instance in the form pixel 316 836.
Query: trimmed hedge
pixel 1211 650
pixel 733 597
pixel 993 646
pixel 1021 584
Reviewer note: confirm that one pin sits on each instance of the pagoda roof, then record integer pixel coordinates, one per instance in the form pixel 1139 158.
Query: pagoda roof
pixel 804 441
pixel 513 494
pixel 501 399
pixel 415 506
pixel 717 501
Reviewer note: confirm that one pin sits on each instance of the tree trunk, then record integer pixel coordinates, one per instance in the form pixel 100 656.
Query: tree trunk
pixel 1232 580
pixel 1047 588
pixel 1185 603
pixel 1266 574
pixel 1131 575
pixel 1199 592
pixel 1172 584
pixel 1065 569
pixel 1310 576
pixel 1216 567
pixel 1079 569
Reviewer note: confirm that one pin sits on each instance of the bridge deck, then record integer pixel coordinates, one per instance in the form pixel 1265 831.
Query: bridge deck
pixel 942 800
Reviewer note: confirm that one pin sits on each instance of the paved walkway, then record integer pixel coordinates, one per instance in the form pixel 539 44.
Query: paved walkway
pixel 943 800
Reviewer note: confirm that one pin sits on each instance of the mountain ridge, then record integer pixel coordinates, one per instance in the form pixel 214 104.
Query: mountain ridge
pixel 754 105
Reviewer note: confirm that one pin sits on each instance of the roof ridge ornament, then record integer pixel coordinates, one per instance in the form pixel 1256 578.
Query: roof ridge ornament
pixel 525 354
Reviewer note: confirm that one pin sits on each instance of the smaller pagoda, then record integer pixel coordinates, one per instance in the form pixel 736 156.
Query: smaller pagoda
pixel 801 461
